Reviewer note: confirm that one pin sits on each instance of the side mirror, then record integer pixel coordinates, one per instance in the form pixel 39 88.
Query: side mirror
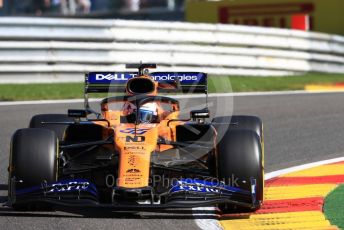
pixel 199 114
pixel 77 113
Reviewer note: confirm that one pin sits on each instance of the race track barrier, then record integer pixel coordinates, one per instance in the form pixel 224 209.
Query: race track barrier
pixel 62 50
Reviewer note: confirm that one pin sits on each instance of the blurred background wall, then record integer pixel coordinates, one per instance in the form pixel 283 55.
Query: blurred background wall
pixel 125 9
pixel 322 16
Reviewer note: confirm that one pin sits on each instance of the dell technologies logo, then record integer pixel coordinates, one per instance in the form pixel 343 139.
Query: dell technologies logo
pixel 155 76
pixel 115 76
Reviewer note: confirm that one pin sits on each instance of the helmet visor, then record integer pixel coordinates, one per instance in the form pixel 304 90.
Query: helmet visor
pixel 146 115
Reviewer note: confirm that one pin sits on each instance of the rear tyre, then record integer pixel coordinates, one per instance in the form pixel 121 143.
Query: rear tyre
pixel 59 129
pixel 239 122
pixel 33 160
pixel 239 159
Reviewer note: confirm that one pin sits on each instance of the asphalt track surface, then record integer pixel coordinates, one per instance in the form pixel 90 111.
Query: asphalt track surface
pixel 299 129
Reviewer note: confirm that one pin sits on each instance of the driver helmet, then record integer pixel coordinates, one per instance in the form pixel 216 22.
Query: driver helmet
pixel 148 112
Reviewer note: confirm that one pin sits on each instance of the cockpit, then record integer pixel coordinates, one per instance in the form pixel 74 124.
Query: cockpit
pixel 139 109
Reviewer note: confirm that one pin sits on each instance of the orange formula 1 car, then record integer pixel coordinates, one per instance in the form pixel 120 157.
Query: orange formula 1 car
pixel 137 153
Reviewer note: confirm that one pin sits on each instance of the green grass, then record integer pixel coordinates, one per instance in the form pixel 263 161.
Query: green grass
pixel 334 207
pixel 251 84
pixel 10 92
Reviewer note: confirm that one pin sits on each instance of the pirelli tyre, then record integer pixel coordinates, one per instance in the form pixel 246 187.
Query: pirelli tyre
pixel 33 160
pixel 240 159
pixel 59 129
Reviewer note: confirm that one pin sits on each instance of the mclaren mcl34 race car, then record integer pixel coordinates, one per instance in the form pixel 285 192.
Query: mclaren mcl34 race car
pixel 135 152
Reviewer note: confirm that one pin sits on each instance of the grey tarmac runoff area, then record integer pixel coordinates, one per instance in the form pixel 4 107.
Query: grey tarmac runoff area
pixel 299 128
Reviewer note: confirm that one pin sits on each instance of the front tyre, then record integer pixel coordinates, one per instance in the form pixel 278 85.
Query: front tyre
pixel 33 159
pixel 239 159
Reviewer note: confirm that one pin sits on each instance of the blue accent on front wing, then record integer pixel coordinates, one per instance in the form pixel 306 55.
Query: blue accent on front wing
pixel 62 186
pixel 204 186
pixel 121 78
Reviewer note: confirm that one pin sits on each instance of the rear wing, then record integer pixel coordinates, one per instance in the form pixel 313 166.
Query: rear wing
pixel 185 82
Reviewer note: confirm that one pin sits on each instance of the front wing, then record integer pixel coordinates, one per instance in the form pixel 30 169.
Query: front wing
pixel 182 193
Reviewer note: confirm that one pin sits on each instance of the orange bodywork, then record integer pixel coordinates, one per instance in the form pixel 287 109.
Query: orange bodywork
pixel 135 143
pixel 135 152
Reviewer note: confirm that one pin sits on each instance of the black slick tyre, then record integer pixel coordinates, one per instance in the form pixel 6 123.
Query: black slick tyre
pixel 33 159
pixel 239 122
pixel 240 158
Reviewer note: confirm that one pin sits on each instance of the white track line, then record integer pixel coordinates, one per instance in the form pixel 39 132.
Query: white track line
pixel 213 224
pixel 40 102
pixel 301 167
pixel 244 94
pixel 206 224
